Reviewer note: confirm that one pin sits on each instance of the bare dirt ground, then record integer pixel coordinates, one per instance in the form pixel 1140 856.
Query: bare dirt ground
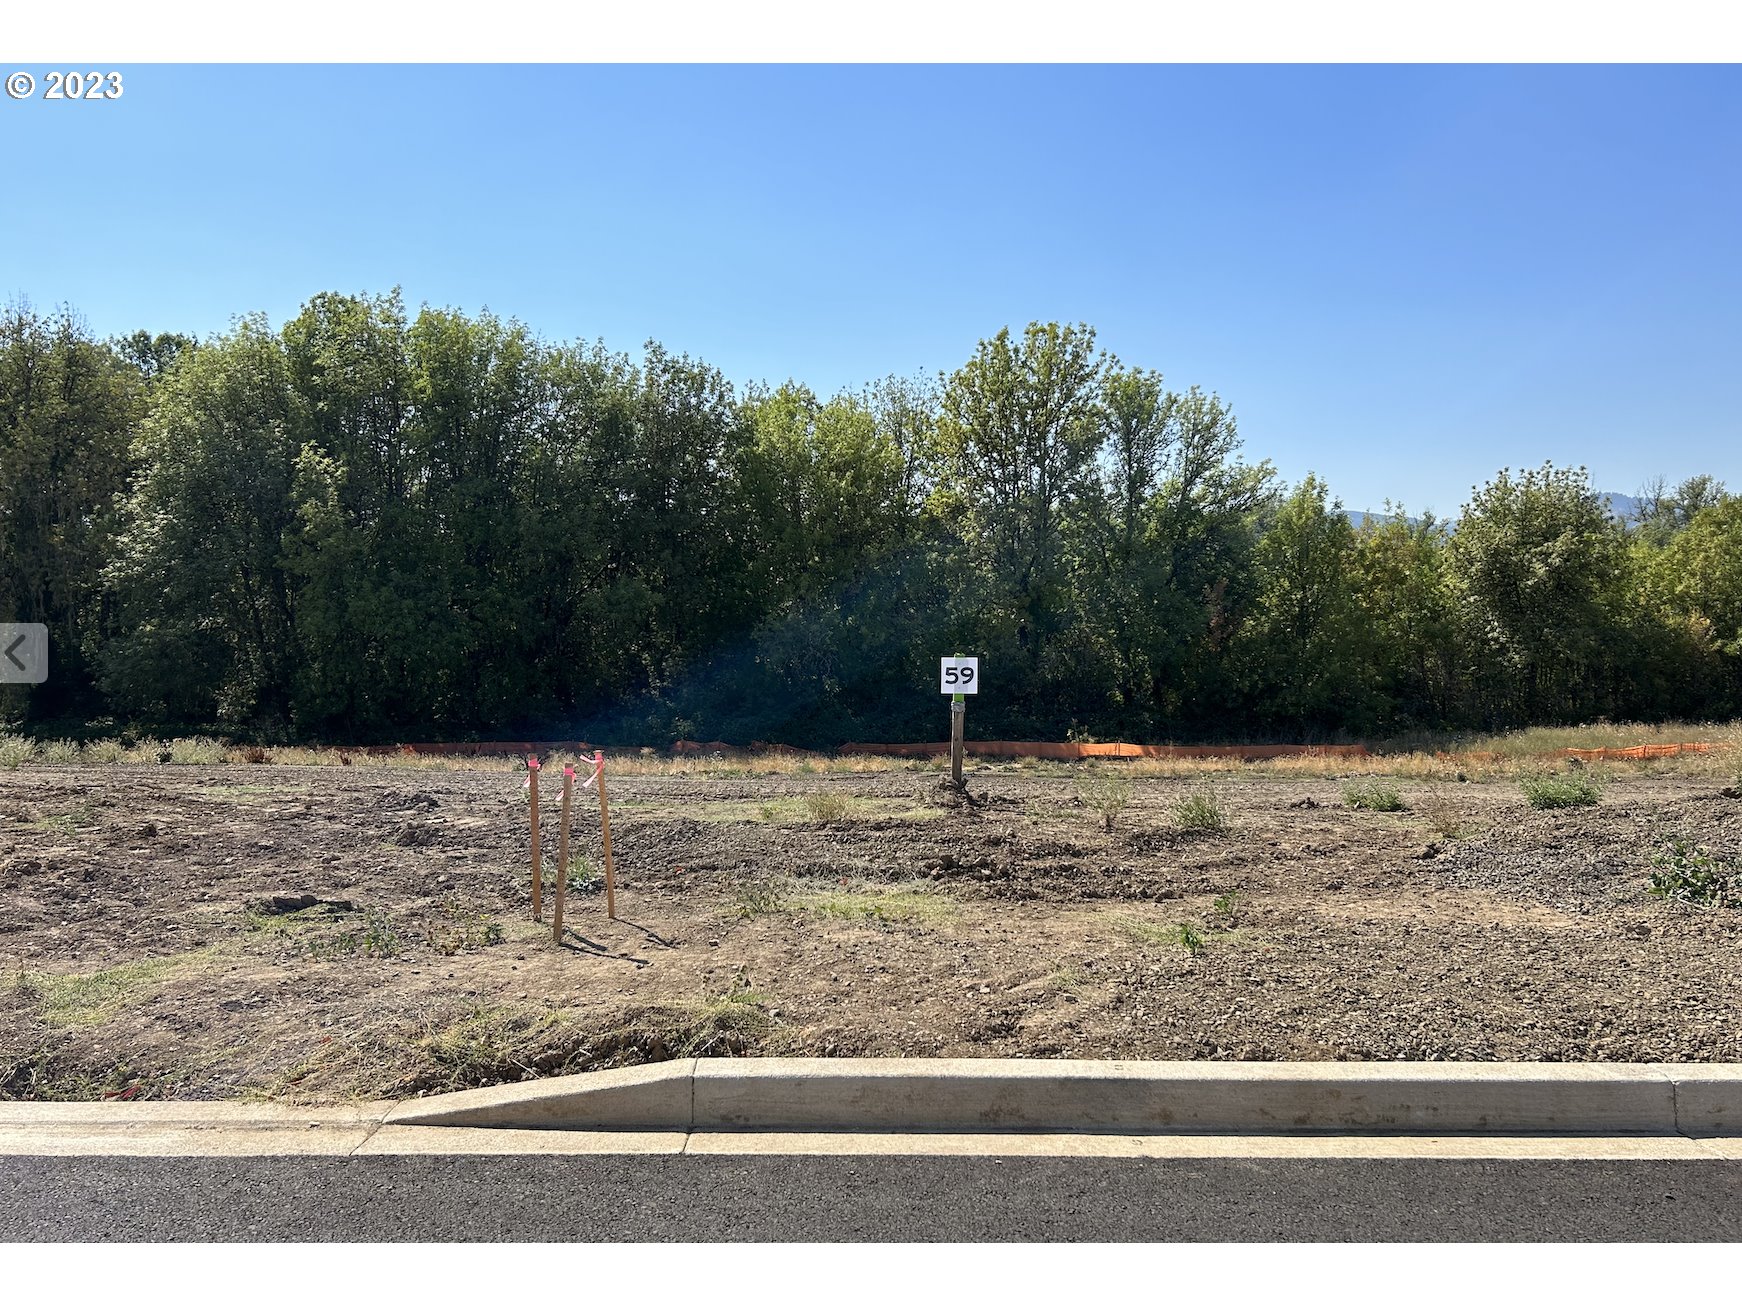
pixel 142 953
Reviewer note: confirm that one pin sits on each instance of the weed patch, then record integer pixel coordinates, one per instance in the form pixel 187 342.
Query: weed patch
pixel 1550 791
pixel 43 1075
pixel 457 929
pixel 924 906
pixel 784 811
pixel 1689 873
pixel 1374 796
pixel 196 750
pixel 1070 980
pixel 103 752
pixel 585 876
pixel 1187 935
pixel 1200 810
pixel 93 998
pixel 758 897
pixel 488 1044
pixel 75 818
pixel 827 807
pixel 494 1044
pixel 1107 793
pixel 147 751
pixel 373 936
pixel 1443 816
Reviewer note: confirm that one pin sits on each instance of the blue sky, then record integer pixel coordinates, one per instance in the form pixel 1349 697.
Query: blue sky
pixel 1402 278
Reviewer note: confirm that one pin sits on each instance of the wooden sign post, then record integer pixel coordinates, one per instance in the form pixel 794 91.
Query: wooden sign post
pixel 605 833
pixel 959 676
pixel 562 870
pixel 537 876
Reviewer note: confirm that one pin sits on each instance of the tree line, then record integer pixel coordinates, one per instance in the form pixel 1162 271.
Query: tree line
pixel 372 525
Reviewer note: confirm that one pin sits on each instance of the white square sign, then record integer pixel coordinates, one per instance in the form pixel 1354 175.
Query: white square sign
pixel 961 675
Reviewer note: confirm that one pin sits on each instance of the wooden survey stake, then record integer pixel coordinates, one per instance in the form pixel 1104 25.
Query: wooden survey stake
pixel 605 834
pixel 958 676
pixel 537 876
pixel 958 711
pixel 562 870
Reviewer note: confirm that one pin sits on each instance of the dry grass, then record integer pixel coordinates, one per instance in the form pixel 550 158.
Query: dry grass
pixel 1546 739
pixel 1441 810
pixel 810 809
pixel 1423 757
pixel 91 999
pixel 15 751
pixel 915 904
pixel 1105 791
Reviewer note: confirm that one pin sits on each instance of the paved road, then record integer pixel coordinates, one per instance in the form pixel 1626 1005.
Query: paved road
pixel 903 1198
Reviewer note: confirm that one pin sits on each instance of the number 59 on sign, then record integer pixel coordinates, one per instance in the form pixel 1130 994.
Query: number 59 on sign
pixel 961 676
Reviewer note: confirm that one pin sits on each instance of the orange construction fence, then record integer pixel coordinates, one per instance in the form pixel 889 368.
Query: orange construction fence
pixel 1025 748
pixel 1639 752
pixel 1076 752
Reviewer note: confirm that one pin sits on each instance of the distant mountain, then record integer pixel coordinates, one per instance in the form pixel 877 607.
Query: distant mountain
pixel 1625 507
pixel 1357 518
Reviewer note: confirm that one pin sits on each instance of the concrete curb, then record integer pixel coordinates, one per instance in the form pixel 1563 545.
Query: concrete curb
pixel 1162 1097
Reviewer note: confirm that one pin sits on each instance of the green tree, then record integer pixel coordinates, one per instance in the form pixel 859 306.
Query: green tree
pixel 1538 561
pixel 1409 614
pixel 363 592
pixel 203 601
pixel 1179 508
pixel 1018 434
pixel 67 405
pixel 1663 511
pixel 905 410
pixel 1693 587
pixel 152 356
pixel 827 487
pixel 1303 641
pixel 1699 573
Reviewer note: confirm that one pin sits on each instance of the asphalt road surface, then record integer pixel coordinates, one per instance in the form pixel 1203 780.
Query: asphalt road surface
pixel 862 1198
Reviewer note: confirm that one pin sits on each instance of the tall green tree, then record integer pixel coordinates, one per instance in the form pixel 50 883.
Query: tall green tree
pixel 67 408
pixel 1699 573
pixel 1018 434
pixel 827 488
pixel 1303 641
pixel 363 587
pixel 905 410
pixel 1538 561
pixel 1399 571
pixel 152 355
pixel 375 523
pixel 203 601
pixel 1663 511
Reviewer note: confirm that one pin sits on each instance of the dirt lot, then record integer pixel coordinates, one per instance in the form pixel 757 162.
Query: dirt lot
pixel 144 955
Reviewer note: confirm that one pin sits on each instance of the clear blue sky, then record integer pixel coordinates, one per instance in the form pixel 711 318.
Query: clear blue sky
pixel 1402 278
